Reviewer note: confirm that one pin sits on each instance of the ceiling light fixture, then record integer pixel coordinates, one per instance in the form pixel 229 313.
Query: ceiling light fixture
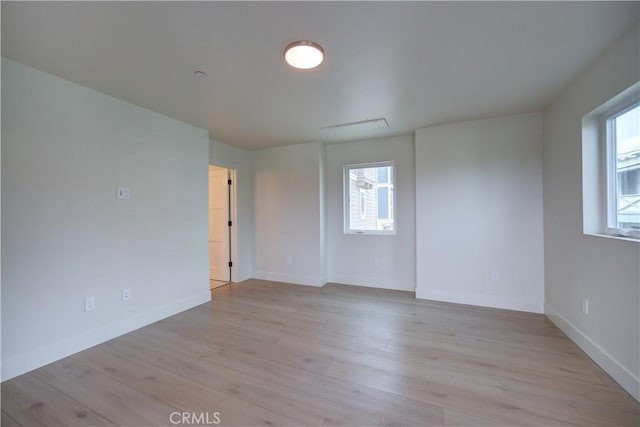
pixel 200 74
pixel 304 54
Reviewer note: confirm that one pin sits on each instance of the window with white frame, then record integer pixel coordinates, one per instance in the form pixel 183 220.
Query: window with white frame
pixel 369 198
pixel 622 140
pixel 611 167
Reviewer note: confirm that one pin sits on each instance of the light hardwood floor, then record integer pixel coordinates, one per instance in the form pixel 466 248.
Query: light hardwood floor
pixel 268 354
pixel 216 284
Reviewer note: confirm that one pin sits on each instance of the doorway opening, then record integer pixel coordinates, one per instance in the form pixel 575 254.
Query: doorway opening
pixel 222 226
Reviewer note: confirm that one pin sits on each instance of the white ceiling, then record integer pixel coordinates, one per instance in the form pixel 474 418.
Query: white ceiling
pixel 414 63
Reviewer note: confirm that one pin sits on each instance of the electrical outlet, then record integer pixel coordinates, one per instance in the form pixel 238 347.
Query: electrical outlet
pixel 89 303
pixel 495 276
pixel 289 259
pixel 585 305
pixel 376 261
pixel 123 193
pixel 126 295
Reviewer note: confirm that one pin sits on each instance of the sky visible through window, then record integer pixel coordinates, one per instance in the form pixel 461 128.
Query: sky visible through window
pixel 628 131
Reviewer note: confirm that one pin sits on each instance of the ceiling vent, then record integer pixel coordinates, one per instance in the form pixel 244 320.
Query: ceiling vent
pixel 355 129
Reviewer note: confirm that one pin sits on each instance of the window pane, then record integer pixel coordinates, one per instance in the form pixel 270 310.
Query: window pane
pixel 383 176
pixel 370 208
pixel 383 203
pixel 627 140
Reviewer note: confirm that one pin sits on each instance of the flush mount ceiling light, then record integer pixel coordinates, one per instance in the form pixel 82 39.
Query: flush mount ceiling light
pixel 304 54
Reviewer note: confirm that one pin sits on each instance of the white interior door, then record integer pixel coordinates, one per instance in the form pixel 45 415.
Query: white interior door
pixel 218 224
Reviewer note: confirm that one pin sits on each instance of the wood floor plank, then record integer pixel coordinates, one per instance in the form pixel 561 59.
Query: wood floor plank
pixel 453 418
pixel 123 404
pixel 603 406
pixel 266 354
pixel 273 371
pixel 563 366
pixel 178 391
pixel 286 401
pixel 7 421
pixel 31 402
pixel 485 404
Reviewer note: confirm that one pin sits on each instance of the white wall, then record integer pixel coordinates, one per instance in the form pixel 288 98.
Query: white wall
pixel 288 238
pixel 66 237
pixel 479 210
pixel 577 266
pixel 240 160
pixel 0 225
pixel 383 261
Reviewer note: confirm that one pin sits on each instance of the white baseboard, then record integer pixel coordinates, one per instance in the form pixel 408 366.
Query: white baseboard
pixel 374 282
pixel 41 356
pixel 243 275
pixel 623 376
pixel 493 301
pixel 290 278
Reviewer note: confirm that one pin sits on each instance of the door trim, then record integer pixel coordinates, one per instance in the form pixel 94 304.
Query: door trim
pixel 233 214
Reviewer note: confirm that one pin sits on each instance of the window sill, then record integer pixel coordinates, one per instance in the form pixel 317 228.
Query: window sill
pixel 609 236
pixel 370 233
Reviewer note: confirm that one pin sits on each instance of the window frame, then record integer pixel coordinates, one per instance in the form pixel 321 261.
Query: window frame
pixel 346 202
pixel 609 169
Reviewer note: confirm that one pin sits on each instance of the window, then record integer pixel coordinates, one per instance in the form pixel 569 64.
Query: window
pixel 622 137
pixel 368 202
pixel 611 167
